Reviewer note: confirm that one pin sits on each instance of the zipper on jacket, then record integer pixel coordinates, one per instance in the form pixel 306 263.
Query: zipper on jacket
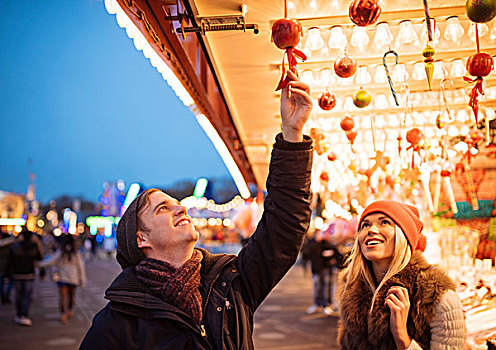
pixel 202 331
pixel 213 282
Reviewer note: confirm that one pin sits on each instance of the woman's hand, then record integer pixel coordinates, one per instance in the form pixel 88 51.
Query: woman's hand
pixel 398 301
pixel 296 105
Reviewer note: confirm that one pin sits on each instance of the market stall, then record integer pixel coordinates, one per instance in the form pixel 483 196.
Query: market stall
pixel 405 97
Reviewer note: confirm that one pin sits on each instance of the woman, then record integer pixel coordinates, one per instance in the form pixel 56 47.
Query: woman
pixel 390 297
pixel 70 274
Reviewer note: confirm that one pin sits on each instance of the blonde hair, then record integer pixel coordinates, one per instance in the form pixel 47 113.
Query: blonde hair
pixel 358 267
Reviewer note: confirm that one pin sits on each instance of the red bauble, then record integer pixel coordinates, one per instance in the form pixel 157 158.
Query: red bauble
pixel 324 176
pixel 351 135
pixel 347 123
pixel 345 66
pixel 414 136
pixel 445 173
pixel 332 156
pixel 480 64
pixel 327 101
pixel 286 33
pixel 364 12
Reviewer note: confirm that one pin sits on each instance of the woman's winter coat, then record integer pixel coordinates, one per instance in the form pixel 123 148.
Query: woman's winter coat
pixel 436 319
pixel 69 270
pixel 232 287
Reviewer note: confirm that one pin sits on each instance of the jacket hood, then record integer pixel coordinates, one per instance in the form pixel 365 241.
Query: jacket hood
pixel 128 253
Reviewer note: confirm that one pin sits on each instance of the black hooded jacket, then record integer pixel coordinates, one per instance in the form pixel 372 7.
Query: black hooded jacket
pixel 232 287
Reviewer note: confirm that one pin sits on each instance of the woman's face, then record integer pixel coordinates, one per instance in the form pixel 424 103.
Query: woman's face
pixel 376 237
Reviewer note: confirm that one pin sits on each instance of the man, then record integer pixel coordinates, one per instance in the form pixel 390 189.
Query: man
pixel 171 295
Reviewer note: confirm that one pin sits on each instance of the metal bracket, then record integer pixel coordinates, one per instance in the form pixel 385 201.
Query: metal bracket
pixel 215 23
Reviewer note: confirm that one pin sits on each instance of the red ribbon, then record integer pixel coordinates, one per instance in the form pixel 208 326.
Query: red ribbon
pixel 292 53
pixel 474 95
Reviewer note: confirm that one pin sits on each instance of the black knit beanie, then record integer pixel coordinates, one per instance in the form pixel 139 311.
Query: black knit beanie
pixel 128 253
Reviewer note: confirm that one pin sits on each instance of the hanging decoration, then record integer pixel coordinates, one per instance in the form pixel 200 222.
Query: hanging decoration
pixel 362 98
pixel 443 83
pixel 479 65
pixel 317 136
pixel 428 51
pixel 439 122
pixel 391 86
pixel 480 11
pixel 327 100
pixel 345 66
pixel 445 174
pixel 324 176
pixel 351 135
pixel 347 124
pixel 331 156
pixel 414 136
pixel 286 35
pixel 364 12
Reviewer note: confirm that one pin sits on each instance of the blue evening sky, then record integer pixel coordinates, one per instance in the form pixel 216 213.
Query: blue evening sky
pixel 78 99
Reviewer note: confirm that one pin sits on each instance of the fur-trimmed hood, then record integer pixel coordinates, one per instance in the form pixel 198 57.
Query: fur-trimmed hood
pixel 360 329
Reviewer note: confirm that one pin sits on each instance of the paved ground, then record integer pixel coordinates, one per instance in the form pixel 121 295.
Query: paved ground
pixel 280 323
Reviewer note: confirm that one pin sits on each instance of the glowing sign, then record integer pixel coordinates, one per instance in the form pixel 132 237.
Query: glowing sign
pixel 12 221
pixel 201 186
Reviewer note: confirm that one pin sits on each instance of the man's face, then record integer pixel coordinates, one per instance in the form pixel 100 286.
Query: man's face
pixel 169 225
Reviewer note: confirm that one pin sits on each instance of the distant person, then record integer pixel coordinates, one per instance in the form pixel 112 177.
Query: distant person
pixel 21 265
pixel 70 272
pixel 6 282
pixel 319 251
pixel 390 297
pixel 173 296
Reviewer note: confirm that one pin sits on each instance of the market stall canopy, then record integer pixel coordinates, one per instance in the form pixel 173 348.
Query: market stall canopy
pixel 231 75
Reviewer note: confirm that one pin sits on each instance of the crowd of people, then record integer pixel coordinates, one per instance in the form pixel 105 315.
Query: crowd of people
pixel 24 257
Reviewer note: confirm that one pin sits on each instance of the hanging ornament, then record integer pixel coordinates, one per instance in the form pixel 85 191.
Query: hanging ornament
pixel 480 11
pixel 324 176
pixel 439 121
pixel 351 135
pixel 414 136
pixel 362 98
pixel 318 137
pixel 286 35
pixel 479 65
pixel 327 100
pixel 428 53
pixel 443 92
pixel 364 12
pixel 399 138
pixel 331 156
pixel 347 123
pixel 345 66
pixel 391 86
pixel 445 174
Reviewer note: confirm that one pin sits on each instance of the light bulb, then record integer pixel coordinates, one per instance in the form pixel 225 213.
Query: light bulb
pixel 307 77
pixel 435 32
pixel 454 31
pixel 399 73
pixel 314 39
pixel 363 76
pixel 380 75
pixel 326 78
pixel 440 70
pixel 381 102
pixel 418 72
pixel 359 38
pixel 483 30
pixel 457 68
pixel 337 39
pixel 406 34
pixel 383 36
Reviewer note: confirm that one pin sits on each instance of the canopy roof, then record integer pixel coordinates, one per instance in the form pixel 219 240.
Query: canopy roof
pixel 240 71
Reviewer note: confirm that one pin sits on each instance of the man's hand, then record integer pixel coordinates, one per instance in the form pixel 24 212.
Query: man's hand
pixel 296 105
pixel 398 301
